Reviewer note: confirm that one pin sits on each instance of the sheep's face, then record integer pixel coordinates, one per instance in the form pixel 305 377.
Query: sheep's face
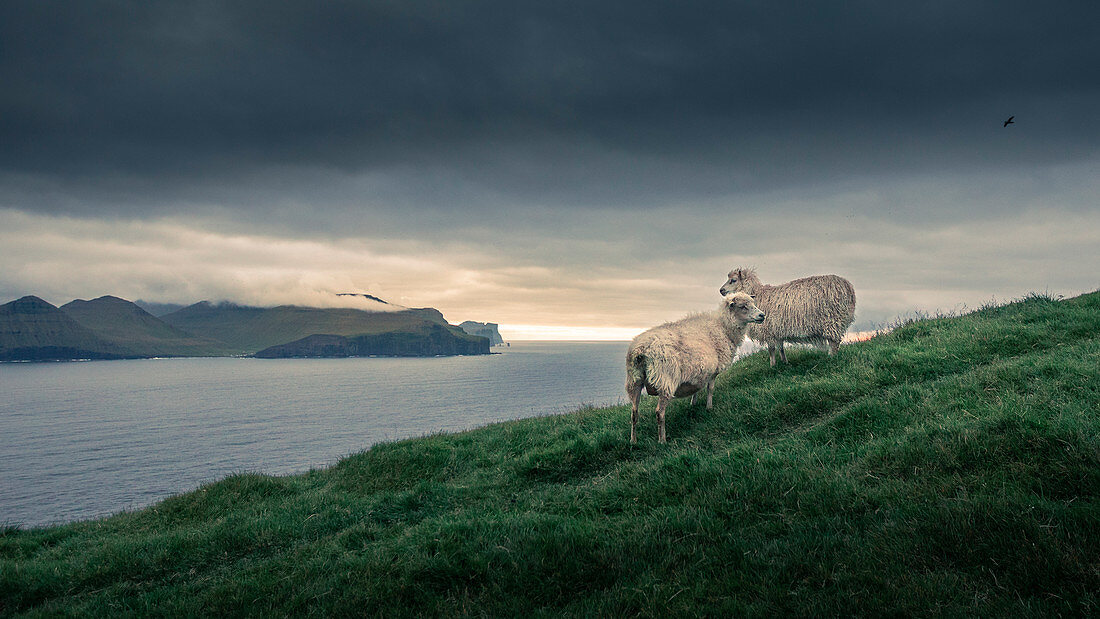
pixel 741 306
pixel 735 283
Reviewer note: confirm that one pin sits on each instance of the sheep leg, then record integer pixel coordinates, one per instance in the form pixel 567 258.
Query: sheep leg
pixel 834 347
pixel 771 353
pixel 692 402
pixel 634 392
pixel 662 402
pixel 710 394
pixel 782 354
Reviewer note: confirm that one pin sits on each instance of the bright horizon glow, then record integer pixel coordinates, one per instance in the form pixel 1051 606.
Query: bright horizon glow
pixel 519 333
pixel 551 333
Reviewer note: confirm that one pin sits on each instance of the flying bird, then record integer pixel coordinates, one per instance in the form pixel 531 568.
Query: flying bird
pixel 1009 121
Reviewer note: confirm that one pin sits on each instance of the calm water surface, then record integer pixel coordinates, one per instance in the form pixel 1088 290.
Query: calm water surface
pixel 79 440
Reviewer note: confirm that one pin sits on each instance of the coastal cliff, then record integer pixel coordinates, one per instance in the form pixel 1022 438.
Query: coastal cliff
pixel 484 329
pixel 432 341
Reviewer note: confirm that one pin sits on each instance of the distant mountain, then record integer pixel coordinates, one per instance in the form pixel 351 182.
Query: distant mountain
pixel 428 340
pixel 483 329
pixel 428 313
pixel 137 331
pixel 113 328
pixel 34 330
pixel 252 329
pixel 158 309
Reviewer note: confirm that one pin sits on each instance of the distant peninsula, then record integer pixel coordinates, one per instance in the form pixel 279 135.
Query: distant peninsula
pixel 108 327
pixel 484 329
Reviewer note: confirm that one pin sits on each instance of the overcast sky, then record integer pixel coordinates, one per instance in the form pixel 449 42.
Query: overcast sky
pixel 563 168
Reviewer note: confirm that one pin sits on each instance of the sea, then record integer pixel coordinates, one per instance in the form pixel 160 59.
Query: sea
pixel 80 440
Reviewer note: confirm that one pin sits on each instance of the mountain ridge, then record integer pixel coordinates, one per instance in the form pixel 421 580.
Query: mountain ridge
pixel 127 325
pixel 250 329
pixel 109 327
pixel 32 329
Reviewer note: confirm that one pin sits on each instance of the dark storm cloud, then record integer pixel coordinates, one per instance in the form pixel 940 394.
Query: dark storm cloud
pixel 553 103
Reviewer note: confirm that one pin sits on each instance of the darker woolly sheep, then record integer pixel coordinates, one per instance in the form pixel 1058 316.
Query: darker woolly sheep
pixel 677 359
pixel 813 310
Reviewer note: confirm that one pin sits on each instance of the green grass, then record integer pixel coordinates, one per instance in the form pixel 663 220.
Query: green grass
pixel 949 467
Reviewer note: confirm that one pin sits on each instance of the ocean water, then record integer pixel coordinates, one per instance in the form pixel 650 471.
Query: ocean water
pixel 86 439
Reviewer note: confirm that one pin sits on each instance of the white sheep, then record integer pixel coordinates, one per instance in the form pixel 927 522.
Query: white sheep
pixel 677 359
pixel 813 310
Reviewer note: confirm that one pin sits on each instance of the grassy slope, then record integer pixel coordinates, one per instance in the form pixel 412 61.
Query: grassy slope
pixel 950 466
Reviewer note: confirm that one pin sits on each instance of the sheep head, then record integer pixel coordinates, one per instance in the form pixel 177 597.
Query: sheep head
pixel 741 308
pixel 740 280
